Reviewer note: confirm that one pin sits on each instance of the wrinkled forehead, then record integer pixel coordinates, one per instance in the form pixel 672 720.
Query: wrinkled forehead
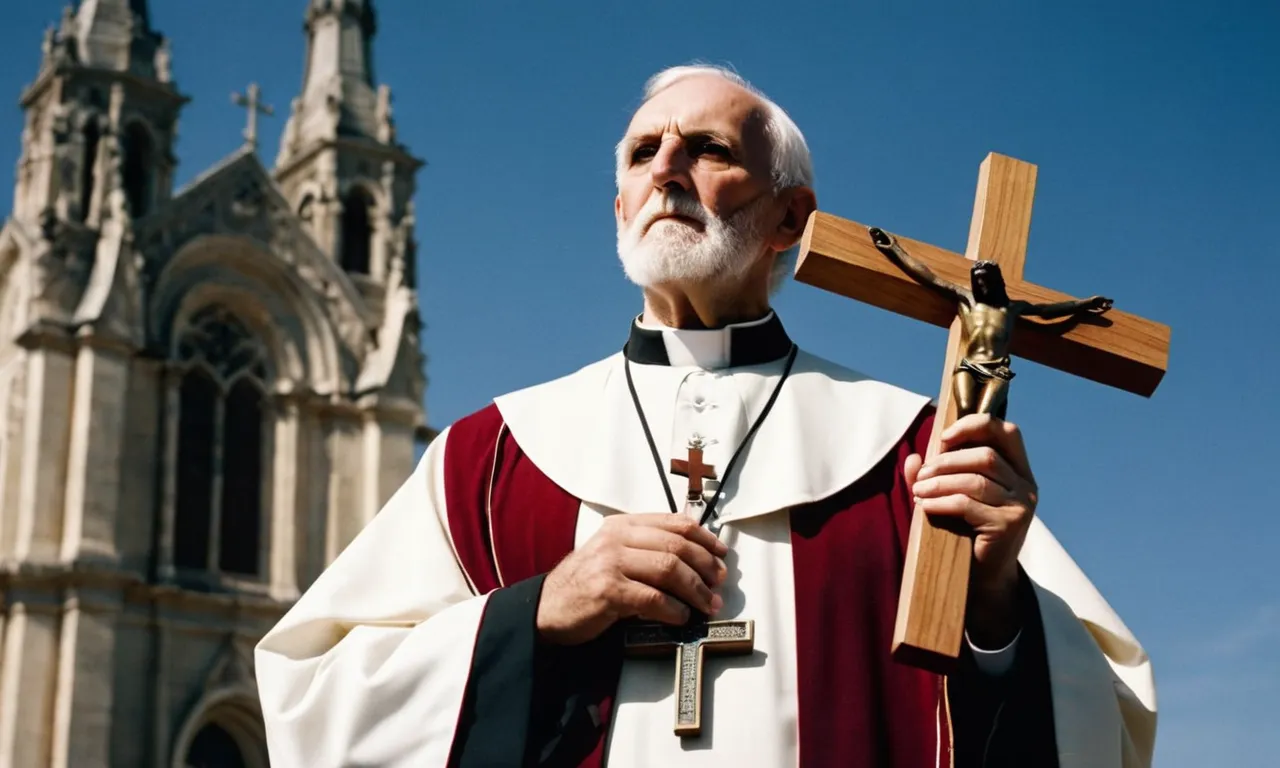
pixel 704 105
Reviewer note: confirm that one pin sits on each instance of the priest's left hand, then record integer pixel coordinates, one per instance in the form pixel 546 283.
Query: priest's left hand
pixel 982 475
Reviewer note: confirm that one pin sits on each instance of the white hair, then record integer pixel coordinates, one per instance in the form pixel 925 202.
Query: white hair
pixel 790 162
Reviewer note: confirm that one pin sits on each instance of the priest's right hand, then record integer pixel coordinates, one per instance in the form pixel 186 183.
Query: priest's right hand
pixel 647 566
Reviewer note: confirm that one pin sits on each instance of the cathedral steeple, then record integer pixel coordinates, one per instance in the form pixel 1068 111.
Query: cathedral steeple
pixel 117 35
pixel 339 163
pixel 100 118
pixel 338 94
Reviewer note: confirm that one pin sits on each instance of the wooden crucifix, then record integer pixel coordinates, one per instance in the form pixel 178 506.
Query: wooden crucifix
pixel 1107 346
pixel 694 469
pixel 690 643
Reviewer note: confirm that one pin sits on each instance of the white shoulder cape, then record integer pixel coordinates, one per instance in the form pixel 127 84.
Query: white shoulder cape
pixel 370 665
pixel 829 427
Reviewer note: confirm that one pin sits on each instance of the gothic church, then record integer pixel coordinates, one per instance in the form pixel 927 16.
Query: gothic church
pixel 204 393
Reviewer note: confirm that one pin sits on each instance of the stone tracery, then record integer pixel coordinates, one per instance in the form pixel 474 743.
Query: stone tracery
pixel 222 418
pixel 217 338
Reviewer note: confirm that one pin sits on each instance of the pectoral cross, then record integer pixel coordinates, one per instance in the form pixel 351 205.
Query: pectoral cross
pixel 691 643
pixel 1118 349
pixel 694 469
pixel 252 101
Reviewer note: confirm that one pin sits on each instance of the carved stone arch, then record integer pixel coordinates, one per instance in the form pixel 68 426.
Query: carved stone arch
pixel 264 292
pixel 369 186
pixel 256 380
pixel 310 188
pixel 279 357
pixel 234 711
pixel 227 337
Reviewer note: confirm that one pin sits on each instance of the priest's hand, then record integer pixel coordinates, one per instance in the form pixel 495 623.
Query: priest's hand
pixel 648 566
pixel 981 475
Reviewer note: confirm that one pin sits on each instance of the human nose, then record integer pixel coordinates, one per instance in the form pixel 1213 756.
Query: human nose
pixel 670 167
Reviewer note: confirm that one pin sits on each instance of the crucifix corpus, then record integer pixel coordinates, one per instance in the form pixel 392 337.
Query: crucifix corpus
pixel 251 100
pixel 982 297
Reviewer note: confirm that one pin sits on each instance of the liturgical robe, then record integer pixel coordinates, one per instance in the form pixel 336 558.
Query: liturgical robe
pixel 417 646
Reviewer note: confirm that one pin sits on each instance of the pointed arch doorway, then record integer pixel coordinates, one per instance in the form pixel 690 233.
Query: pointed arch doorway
pixel 214 747
pixel 225 730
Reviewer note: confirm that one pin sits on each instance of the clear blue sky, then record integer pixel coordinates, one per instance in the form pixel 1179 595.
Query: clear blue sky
pixel 1157 133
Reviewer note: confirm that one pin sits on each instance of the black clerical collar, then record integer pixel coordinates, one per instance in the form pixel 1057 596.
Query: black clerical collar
pixel 752 343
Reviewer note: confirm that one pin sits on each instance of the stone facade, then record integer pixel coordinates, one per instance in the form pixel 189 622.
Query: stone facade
pixel 204 393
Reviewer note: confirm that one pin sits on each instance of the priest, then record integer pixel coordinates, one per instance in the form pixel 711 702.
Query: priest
pixel 689 553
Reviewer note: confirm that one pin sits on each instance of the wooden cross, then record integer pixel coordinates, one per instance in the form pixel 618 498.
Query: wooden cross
pixel 694 469
pixel 1117 349
pixel 735 637
pixel 252 101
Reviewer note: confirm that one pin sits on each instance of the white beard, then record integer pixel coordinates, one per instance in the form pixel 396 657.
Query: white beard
pixel 675 251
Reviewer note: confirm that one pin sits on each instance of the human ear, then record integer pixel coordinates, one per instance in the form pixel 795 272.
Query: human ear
pixel 801 203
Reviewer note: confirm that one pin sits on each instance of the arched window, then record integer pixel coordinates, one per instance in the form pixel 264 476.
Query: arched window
pixel 357 230
pixel 139 167
pixel 213 747
pixel 197 436
pixel 241 479
pixel 88 170
pixel 221 450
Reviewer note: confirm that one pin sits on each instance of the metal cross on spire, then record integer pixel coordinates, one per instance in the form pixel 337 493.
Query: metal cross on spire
pixel 252 100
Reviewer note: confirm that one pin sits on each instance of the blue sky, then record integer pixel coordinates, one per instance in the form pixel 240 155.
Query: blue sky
pixel 1156 129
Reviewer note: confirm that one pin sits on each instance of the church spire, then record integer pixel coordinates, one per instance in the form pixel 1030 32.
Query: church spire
pixel 338 93
pixel 101 117
pixel 117 35
pixel 340 164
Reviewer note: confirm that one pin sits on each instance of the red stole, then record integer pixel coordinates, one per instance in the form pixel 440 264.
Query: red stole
pixel 857 707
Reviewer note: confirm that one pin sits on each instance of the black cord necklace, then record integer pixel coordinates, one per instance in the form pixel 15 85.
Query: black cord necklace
pixel 709 513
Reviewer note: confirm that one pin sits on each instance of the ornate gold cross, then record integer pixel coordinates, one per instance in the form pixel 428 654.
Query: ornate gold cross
pixel 734 637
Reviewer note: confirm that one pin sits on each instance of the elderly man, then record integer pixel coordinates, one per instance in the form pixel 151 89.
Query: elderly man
pixel 524 597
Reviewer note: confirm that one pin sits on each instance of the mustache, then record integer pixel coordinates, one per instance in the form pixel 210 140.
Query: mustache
pixel 670 204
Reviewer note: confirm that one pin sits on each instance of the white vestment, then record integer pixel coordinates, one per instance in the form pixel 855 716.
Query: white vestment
pixel 370 666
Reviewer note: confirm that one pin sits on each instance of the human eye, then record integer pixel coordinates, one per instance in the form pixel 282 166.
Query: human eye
pixel 642 152
pixel 706 146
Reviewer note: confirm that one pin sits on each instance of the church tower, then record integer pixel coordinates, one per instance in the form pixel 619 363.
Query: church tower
pixel 205 392
pixel 99 126
pixel 340 165
pixel 100 118
pixel 96 159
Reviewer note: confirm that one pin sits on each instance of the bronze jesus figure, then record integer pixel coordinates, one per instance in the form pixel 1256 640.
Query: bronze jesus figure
pixel 981 382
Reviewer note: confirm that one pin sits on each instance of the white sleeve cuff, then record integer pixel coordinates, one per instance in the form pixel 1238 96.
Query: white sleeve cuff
pixel 995 663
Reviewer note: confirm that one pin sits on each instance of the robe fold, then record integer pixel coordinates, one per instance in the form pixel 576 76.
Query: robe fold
pixel 857 707
pixel 418 646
